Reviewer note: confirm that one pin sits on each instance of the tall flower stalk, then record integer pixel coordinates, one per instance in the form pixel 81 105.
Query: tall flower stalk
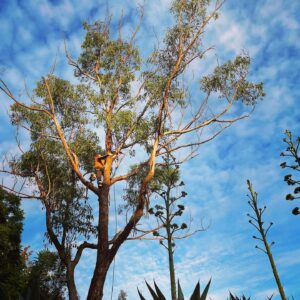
pixel 257 222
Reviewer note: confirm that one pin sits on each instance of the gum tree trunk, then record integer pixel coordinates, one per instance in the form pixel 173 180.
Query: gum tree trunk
pixel 98 280
pixel 103 254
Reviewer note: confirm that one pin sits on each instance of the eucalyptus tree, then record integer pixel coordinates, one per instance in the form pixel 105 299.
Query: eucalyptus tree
pixel 122 104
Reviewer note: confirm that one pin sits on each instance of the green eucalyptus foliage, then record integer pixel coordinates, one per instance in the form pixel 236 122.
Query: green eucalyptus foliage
pixel 113 64
pixel 157 294
pixel 189 17
pixel 99 47
pixel 66 199
pixel 164 176
pixel 12 276
pixel 133 185
pixel 229 81
pixel 66 204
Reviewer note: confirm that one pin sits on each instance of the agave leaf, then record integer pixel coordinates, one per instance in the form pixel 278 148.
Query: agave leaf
pixel 141 296
pixel 180 293
pixel 153 294
pixel 237 298
pixel 196 293
pixel 204 294
pixel 159 293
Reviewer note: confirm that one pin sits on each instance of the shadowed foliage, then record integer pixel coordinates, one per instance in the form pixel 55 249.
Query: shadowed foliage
pixel 12 265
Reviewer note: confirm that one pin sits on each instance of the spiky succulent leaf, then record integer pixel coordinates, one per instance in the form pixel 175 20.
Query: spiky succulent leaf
pixel 231 297
pixel 180 293
pixel 152 292
pixel 196 293
pixel 159 293
pixel 204 294
pixel 141 296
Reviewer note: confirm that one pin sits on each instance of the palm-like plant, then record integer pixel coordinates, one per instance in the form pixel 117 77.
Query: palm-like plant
pixel 158 295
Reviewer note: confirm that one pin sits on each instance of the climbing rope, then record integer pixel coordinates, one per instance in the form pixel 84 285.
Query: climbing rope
pixel 116 230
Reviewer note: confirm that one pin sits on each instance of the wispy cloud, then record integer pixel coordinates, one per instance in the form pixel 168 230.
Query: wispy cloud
pixel 31 36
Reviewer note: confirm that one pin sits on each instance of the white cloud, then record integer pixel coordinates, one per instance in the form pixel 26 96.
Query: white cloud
pixel 215 181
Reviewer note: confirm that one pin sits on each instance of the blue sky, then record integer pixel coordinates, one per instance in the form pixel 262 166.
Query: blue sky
pixel 32 34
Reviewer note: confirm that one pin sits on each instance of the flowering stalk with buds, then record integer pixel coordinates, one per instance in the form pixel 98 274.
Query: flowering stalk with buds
pixel 293 155
pixel 168 180
pixel 257 222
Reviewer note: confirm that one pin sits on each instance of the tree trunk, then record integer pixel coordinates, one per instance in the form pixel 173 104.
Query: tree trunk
pixel 98 280
pixel 65 259
pixel 71 284
pixel 103 254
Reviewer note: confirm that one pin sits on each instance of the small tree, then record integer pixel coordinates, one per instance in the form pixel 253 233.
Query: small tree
pixel 258 223
pixel 122 295
pixel 292 152
pixel 46 277
pixel 12 276
pixel 66 121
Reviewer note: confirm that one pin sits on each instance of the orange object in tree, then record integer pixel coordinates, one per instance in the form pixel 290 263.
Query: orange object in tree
pixel 100 162
pixel 99 165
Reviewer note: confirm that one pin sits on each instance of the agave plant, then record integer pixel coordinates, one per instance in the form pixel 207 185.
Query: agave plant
pixel 158 295
pixel 231 297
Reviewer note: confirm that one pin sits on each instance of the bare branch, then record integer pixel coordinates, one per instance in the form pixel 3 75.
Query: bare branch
pixel 80 249
pixel 7 91
pixel 18 194
pixel 131 173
